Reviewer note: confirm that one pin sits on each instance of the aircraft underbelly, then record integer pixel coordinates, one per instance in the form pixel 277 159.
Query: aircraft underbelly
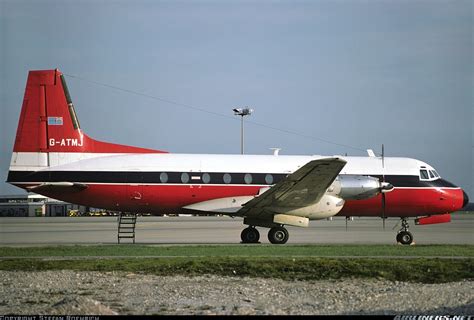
pixel 159 198
pixel 405 202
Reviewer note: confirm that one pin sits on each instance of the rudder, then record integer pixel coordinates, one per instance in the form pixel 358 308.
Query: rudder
pixel 48 121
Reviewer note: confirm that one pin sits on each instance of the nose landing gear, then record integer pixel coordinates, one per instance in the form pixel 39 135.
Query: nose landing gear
pixel 404 236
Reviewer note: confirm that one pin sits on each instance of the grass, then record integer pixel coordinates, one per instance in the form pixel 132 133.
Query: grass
pixel 130 250
pixel 289 262
pixel 415 270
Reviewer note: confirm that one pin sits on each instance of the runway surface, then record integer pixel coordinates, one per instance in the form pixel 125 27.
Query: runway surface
pixel 223 230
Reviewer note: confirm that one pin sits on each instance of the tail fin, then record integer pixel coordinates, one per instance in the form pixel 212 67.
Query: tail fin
pixel 48 121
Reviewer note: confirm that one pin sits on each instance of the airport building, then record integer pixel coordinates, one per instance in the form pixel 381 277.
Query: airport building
pixel 35 205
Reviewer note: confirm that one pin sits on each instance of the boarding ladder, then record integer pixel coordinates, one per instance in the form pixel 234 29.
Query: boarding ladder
pixel 126 226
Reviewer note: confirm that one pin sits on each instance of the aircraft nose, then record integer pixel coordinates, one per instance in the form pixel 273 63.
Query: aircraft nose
pixel 466 199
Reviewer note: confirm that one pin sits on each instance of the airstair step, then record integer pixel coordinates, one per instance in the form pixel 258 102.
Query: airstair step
pixel 126 227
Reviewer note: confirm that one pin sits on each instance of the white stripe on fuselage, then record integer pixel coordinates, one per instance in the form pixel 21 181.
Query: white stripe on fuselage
pixel 34 161
pixel 169 162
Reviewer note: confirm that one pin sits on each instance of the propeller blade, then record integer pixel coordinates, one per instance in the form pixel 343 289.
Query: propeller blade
pixel 396 225
pixel 383 156
pixel 383 181
pixel 383 209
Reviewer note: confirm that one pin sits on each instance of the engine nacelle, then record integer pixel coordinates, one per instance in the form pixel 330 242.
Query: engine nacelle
pixel 328 206
pixel 354 187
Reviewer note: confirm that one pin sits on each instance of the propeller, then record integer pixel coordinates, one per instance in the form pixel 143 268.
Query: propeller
pixel 384 187
pixel 383 182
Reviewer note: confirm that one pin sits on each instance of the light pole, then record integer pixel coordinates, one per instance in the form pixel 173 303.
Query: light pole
pixel 242 112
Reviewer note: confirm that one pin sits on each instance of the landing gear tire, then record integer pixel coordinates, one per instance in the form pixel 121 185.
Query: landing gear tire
pixel 250 235
pixel 405 237
pixel 278 235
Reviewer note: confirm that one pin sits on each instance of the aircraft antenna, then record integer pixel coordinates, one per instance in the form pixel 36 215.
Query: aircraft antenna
pixel 208 111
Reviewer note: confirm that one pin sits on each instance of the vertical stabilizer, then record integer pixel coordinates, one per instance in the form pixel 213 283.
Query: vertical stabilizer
pixel 49 132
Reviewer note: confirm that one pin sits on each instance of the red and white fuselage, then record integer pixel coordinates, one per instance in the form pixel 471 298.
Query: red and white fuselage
pixel 165 182
pixel 53 157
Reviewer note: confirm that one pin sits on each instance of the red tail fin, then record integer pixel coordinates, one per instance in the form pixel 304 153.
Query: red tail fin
pixel 48 121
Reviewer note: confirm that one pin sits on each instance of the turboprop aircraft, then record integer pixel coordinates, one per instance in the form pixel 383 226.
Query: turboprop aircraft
pixel 52 156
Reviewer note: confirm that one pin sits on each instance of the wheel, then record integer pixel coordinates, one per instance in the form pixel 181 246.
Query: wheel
pixel 405 237
pixel 250 235
pixel 278 235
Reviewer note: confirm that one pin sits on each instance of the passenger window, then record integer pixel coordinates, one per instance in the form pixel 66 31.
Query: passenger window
pixel 206 178
pixel 248 178
pixel 163 177
pixel 227 178
pixel 184 177
pixel 269 179
pixel 424 175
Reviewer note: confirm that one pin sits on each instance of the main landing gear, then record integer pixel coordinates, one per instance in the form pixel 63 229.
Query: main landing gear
pixel 404 236
pixel 276 235
pixel 250 235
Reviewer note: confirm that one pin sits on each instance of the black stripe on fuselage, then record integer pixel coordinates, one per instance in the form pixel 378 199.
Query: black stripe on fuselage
pixel 176 178
pixel 137 177
pixel 414 182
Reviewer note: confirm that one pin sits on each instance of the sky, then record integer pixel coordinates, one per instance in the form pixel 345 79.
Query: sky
pixel 324 77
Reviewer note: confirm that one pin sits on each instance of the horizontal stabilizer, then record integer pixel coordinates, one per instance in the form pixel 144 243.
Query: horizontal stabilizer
pixel 73 186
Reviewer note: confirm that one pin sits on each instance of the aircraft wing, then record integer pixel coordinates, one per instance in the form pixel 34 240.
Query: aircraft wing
pixel 302 188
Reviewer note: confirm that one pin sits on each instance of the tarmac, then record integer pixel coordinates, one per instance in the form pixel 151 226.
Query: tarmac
pixel 223 230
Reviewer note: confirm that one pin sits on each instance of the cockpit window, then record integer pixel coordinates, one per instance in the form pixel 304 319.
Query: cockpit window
pixel 424 174
pixel 428 174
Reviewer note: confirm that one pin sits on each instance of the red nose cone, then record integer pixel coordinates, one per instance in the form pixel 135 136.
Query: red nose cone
pixel 466 199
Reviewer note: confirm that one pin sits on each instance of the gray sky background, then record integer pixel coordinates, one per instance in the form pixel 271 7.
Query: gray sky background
pixel 358 73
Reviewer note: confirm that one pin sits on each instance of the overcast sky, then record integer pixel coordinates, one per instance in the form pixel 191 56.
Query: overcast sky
pixel 356 73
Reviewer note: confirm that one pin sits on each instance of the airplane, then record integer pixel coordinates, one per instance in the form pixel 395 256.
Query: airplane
pixel 52 156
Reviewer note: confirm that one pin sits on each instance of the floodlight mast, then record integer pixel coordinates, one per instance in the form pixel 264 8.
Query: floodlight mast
pixel 242 112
